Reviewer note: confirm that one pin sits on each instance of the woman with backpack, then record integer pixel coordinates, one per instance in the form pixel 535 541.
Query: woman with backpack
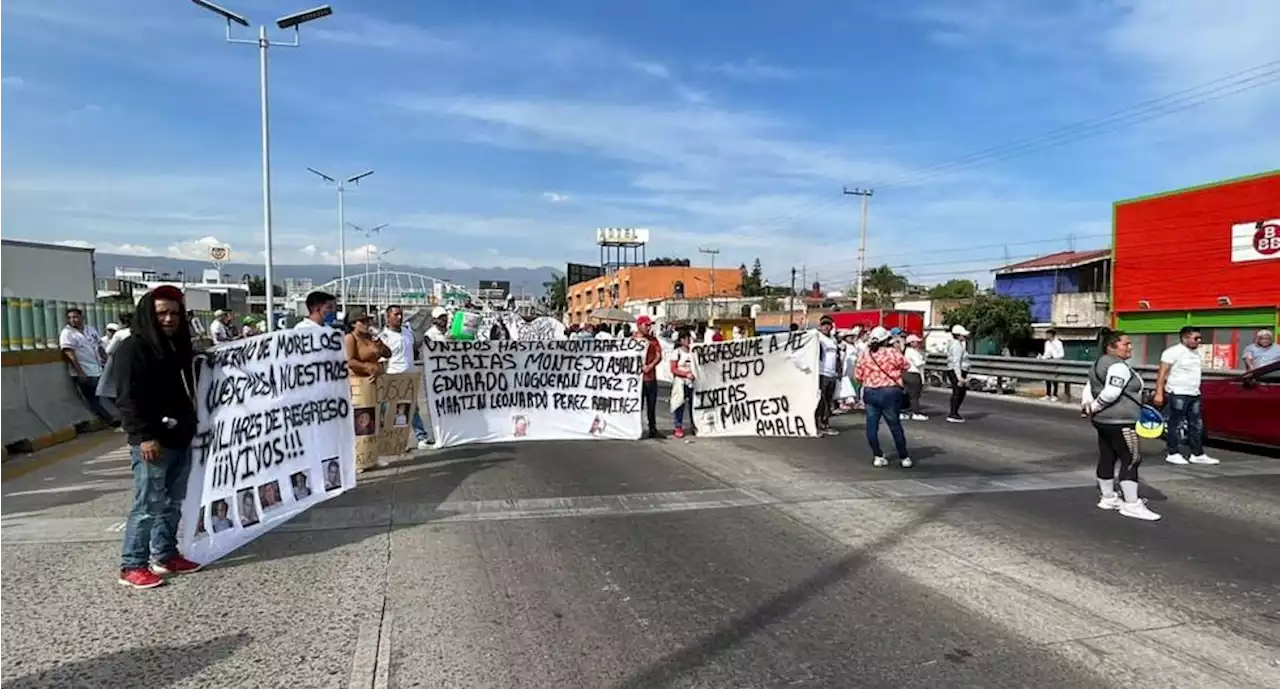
pixel 880 372
pixel 1113 402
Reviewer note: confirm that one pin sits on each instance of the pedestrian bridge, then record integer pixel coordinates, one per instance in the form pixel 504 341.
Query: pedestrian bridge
pixel 379 289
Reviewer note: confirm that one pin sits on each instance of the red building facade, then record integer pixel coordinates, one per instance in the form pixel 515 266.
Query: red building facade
pixel 1207 256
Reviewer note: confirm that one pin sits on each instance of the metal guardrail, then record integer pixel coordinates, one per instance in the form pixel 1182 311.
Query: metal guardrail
pixel 1057 370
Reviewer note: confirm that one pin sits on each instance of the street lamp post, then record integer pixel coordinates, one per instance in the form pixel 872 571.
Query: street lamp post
pixel 377 283
pixel 368 235
pixel 292 21
pixel 342 224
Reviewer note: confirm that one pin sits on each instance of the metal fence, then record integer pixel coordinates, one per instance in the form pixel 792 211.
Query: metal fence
pixel 30 324
pixel 1056 370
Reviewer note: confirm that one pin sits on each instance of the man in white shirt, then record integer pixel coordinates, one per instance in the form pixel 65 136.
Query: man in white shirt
pixel 398 337
pixel 829 365
pixel 320 310
pixel 1053 350
pixel 1178 382
pixel 85 357
pixel 221 330
pixel 438 332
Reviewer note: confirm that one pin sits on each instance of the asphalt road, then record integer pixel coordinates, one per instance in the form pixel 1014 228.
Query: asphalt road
pixel 702 563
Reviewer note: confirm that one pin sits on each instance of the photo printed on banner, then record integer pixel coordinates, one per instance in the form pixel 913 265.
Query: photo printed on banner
pixel 761 386
pixel 503 390
pixel 274 410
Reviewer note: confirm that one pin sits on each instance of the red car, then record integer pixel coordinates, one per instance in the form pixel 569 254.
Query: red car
pixel 1244 408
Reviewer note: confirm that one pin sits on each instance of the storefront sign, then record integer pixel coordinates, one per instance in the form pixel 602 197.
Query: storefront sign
pixel 1255 241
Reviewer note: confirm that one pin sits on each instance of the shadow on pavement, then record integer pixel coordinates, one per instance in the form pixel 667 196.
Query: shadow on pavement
pixel 422 483
pixel 734 632
pixel 150 666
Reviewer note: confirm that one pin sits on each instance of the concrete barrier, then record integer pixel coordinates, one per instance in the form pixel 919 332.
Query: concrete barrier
pixel 17 422
pixel 41 405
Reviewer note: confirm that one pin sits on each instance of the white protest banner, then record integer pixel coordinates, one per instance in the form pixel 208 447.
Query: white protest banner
pixel 762 386
pixel 275 437
pixel 503 390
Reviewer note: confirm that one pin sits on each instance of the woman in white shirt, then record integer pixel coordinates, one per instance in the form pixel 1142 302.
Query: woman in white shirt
pixel 913 379
pixel 682 381
pixel 847 392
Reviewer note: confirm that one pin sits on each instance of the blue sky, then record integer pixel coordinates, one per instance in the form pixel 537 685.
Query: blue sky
pixel 504 133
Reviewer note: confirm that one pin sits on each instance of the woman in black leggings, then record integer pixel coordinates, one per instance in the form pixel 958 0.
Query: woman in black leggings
pixel 1112 400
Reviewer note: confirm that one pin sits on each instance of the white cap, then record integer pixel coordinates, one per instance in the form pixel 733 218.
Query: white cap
pixel 113 326
pixel 958 329
pixel 219 313
pixel 879 334
pixel 439 312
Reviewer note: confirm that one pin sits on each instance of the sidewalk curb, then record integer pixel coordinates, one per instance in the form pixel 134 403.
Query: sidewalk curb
pixel 17 466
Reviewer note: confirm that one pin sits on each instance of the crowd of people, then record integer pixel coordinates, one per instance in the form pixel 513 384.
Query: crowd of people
pixel 144 367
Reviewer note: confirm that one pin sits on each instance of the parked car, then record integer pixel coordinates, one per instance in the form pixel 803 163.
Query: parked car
pixel 1244 408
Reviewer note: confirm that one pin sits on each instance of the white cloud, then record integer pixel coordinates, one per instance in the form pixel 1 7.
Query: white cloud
pixel 653 69
pixel 12 82
pixel 102 247
pixel 553 197
pixel 753 70
pixel 197 249
pixel 308 250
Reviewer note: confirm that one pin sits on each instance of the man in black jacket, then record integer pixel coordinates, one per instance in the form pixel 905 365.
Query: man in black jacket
pixel 157 409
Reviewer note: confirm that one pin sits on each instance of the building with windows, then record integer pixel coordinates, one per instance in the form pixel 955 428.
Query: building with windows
pixel 1207 256
pixel 656 290
pixel 1067 292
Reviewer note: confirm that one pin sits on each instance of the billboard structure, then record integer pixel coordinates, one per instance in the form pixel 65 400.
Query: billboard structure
pixel 494 290
pixel 581 272
pixel 621 247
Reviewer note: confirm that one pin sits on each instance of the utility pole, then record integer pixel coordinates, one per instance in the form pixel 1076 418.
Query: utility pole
pixel 862 245
pixel 711 301
pixel 791 301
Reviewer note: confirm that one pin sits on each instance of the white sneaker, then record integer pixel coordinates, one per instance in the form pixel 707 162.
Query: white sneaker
pixel 1045 398
pixel 1138 510
pixel 1175 459
pixel 907 463
pixel 904 417
pixel 954 419
pixel 1113 502
pixel 1053 398
pixel 830 431
pixel 880 462
pixel 919 417
pixel 1204 459
pixel 425 445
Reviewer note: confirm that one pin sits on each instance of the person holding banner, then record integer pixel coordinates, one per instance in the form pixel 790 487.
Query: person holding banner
pixel 399 338
pixel 880 371
pixel 828 374
pixel 320 310
pixel 649 380
pixel 682 381
pixel 156 399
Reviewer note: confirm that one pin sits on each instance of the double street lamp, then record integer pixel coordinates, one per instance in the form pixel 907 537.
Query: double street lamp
pixel 342 225
pixel 368 236
pixel 292 21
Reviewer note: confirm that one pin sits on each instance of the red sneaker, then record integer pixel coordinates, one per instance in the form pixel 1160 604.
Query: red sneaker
pixel 679 433
pixel 176 564
pixel 140 578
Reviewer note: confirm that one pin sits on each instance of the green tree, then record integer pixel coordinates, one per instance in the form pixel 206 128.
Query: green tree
pixel 954 289
pixel 879 286
pixel 258 287
pixel 1003 319
pixel 752 280
pixel 557 293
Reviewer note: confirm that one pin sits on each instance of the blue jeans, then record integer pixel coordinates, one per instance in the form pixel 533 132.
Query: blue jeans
pixel 887 403
pixel 688 404
pixel 1179 409
pixel 159 486
pixel 419 429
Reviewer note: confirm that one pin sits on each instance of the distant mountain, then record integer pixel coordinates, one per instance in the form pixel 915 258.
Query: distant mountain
pixel 530 279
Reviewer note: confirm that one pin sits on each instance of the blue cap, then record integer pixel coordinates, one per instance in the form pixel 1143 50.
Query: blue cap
pixel 896 331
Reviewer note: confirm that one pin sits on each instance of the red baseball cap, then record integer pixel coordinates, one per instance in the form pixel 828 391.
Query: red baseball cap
pixel 644 320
